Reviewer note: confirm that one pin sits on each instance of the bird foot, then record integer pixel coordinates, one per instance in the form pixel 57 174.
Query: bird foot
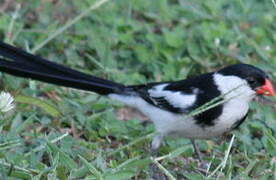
pixel 155 173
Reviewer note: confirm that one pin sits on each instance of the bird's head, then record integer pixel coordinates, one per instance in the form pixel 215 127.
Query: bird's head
pixel 257 79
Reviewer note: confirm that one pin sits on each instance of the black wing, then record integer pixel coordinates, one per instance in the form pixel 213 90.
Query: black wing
pixel 184 96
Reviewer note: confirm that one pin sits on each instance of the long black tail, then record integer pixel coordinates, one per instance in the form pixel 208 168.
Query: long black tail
pixel 17 62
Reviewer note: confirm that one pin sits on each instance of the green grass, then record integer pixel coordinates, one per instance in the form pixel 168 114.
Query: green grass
pixel 60 133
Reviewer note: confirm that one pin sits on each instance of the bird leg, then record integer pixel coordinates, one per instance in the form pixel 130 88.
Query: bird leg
pixel 154 170
pixel 197 151
pixel 202 165
pixel 155 144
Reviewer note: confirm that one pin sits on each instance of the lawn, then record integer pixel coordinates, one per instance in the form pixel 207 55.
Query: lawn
pixel 62 133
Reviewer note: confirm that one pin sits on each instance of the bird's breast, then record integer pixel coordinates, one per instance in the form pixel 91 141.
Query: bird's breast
pixel 233 111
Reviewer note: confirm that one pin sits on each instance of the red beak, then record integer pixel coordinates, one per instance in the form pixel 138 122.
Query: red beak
pixel 266 89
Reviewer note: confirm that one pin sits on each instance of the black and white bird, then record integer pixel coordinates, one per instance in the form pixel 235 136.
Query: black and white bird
pixel 169 105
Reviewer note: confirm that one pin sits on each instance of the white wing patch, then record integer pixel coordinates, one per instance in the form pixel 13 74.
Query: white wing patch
pixel 175 98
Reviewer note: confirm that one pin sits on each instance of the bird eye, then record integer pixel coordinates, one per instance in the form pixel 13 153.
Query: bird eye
pixel 251 80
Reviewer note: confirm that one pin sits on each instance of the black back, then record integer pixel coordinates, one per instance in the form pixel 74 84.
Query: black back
pixel 202 85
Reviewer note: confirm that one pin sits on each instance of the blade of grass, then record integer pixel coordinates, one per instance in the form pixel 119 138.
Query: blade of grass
pixel 95 61
pixel 9 145
pixel 163 169
pixel 222 165
pixel 9 33
pixel 65 159
pixel 274 3
pixel 270 137
pixel 131 143
pixel 69 24
pixel 173 154
pixel 47 107
pixel 39 148
pixel 91 168
pixel 125 163
pixel 250 167
pixel 28 171
pixel 213 103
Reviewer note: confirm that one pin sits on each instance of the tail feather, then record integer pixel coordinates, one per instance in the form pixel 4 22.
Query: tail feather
pixel 23 64
pixel 39 63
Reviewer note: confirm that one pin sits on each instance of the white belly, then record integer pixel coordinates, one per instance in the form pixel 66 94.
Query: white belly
pixel 167 123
